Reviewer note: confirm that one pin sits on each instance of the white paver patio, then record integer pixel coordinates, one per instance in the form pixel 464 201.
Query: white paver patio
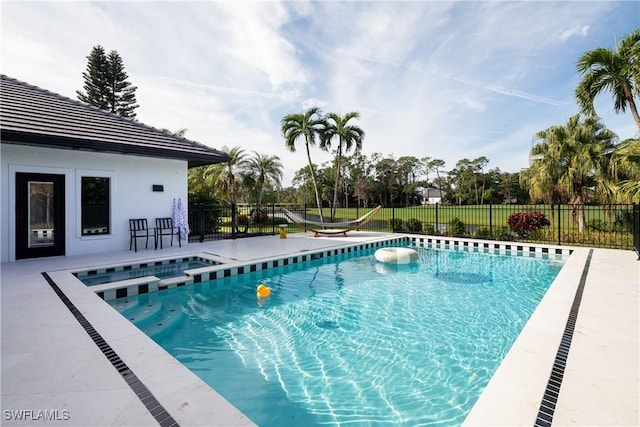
pixel 49 363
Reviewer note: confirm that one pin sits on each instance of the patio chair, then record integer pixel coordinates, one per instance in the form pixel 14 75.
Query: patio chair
pixel 164 227
pixel 138 228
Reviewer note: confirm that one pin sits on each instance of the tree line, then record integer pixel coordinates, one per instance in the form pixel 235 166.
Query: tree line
pixel 574 163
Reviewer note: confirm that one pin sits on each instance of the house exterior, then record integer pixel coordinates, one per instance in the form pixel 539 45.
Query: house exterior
pixel 430 196
pixel 72 175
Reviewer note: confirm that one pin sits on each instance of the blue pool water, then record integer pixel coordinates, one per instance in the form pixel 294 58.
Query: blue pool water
pixel 163 271
pixel 348 340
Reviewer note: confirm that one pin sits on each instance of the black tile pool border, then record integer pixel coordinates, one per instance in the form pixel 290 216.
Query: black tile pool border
pixel 219 271
pixel 550 397
pixel 97 271
pixel 492 247
pixel 154 407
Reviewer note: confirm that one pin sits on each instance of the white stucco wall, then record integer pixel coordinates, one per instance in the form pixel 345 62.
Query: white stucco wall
pixel 132 178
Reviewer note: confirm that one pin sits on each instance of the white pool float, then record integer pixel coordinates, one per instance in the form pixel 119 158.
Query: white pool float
pixel 396 255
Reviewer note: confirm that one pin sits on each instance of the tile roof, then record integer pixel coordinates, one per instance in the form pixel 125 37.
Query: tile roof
pixel 30 115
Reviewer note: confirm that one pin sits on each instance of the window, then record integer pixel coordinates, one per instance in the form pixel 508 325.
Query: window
pixel 96 206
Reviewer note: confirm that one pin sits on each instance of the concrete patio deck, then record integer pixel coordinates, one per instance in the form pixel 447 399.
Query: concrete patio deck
pixel 49 362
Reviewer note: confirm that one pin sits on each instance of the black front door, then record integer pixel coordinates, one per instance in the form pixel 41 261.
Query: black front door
pixel 39 215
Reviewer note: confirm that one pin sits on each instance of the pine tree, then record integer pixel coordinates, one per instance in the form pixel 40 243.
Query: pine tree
pixel 122 97
pixel 106 84
pixel 95 79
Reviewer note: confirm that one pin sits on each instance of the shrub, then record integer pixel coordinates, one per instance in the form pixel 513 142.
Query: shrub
pixel 414 225
pixel 498 233
pixel 255 217
pixel 482 232
pixel 624 222
pixel 243 219
pixel 395 224
pixel 523 223
pixel 539 235
pixel 501 233
pixel 277 220
pixel 259 217
pixel 203 197
pixel 596 225
pixel 429 229
pixel 456 227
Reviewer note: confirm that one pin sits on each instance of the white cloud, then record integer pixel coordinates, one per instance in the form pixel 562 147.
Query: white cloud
pixel 252 37
pixel 441 79
pixel 313 102
pixel 581 30
pixel 471 103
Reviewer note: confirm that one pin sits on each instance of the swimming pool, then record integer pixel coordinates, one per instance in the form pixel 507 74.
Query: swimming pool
pixel 348 340
pixel 162 269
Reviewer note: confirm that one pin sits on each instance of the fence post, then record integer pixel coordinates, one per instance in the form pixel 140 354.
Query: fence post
pixel 559 231
pixel 393 219
pixel 273 218
pixel 636 228
pixel 490 220
pixel 201 220
pixel 305 216
pixel 437 222
pixel 234 220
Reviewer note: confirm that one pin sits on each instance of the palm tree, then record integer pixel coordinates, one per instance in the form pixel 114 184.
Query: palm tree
pixel 616 70
pixel 180 133
pixel 200 187
pixel 348 137
pixel 265 169
pixel 541 177
pixel 570 160
pixel 625 167
pixel 228 177
pixel 308 125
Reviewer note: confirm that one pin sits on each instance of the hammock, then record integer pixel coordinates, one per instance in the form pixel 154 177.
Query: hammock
pixel 341 227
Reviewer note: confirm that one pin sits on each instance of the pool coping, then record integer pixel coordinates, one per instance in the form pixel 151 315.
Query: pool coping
pixel 511 386
pixel 189 400
pixel 230 268
pixel 156 409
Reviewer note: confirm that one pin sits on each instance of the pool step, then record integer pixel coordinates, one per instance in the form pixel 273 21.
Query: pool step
pixel 124 304
pixel 164 321
pixel 142 312
pixel 126 288
pixel 173 282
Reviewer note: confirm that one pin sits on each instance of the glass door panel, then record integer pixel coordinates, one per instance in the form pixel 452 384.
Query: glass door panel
pixel 41 214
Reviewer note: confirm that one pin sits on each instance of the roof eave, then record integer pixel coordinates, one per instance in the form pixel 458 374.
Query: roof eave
pixel 194 159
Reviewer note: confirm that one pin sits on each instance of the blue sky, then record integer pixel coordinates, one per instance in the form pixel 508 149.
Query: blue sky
pixel 447 80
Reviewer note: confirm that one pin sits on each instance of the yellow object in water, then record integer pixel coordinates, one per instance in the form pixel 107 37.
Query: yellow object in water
pixel 263 291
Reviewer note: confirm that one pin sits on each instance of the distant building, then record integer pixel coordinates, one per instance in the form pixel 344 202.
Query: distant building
pixel 430 196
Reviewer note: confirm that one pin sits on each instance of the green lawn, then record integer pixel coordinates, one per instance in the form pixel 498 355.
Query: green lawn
pixel 603 228
pixel 608 228
pixel 479 215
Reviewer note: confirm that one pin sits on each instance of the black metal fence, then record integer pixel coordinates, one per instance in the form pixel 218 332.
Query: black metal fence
pixel 215 222
pixel 636 229
pixel 610 226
